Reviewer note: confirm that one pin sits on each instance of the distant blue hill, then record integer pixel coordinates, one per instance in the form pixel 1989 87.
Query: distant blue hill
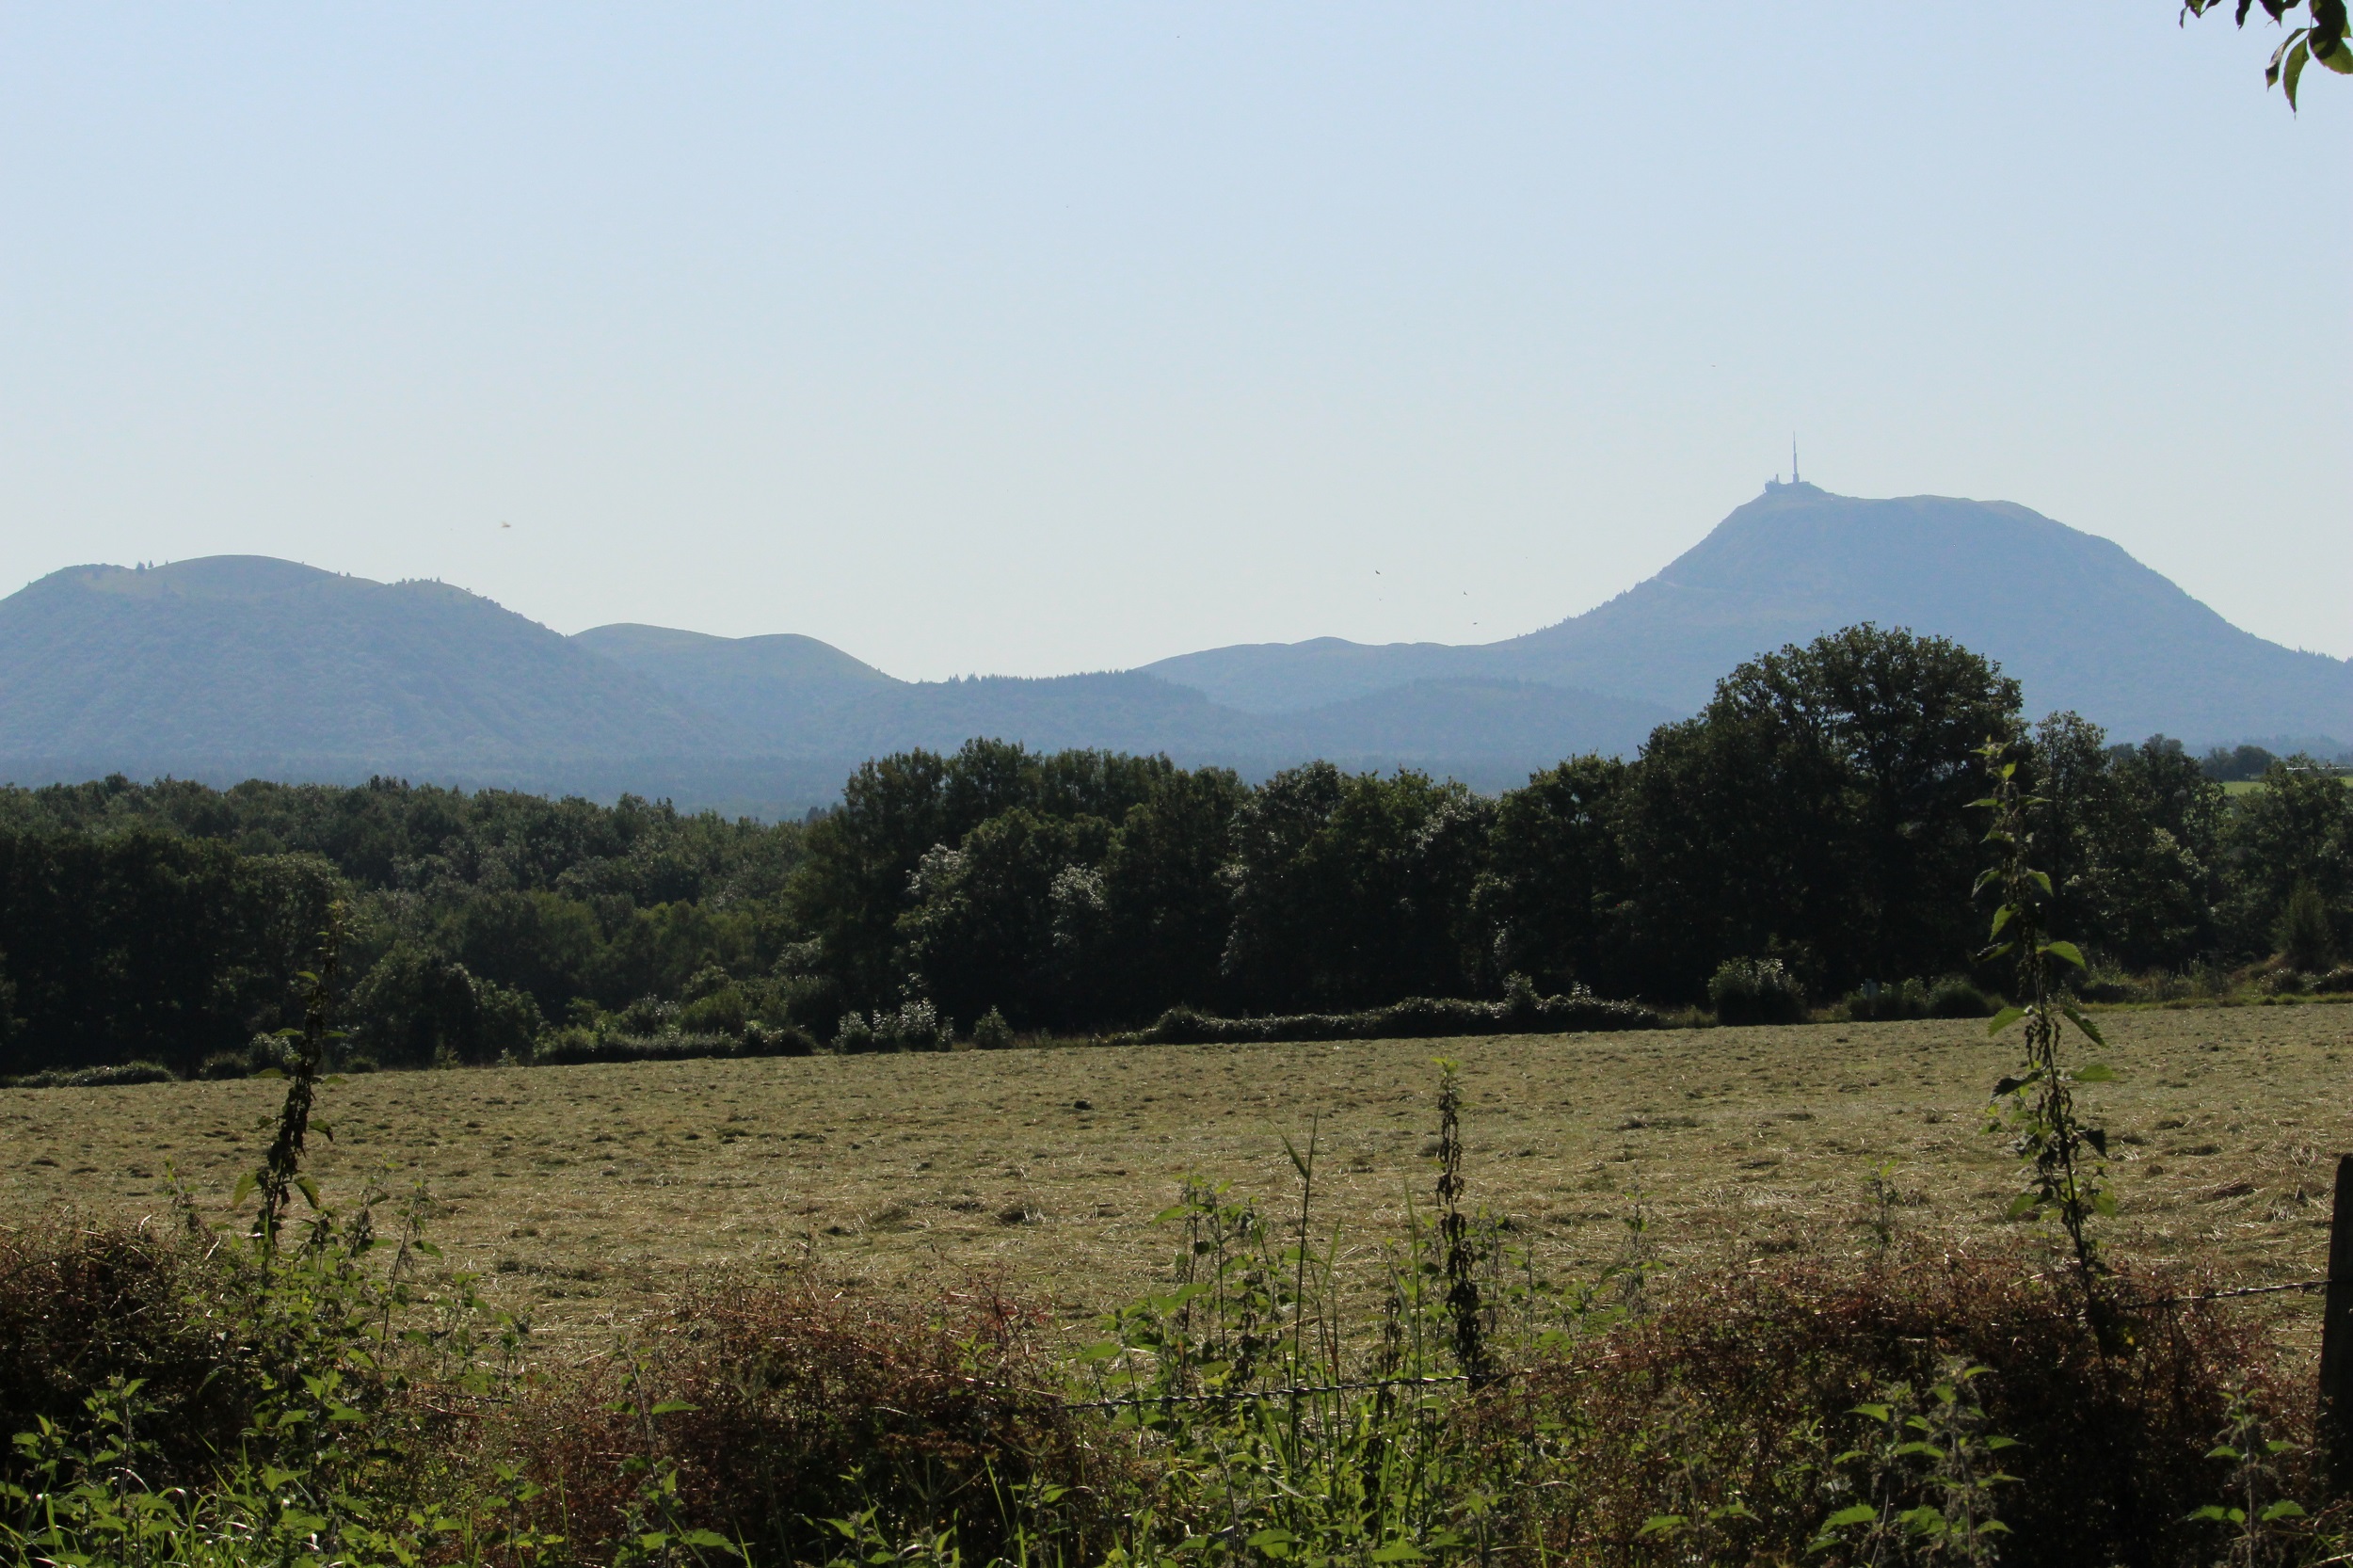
pixel 233 666
pixel 2082 624
pixel 236 667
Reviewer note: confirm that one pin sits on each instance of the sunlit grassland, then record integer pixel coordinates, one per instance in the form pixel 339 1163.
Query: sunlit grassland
pixel 585 1194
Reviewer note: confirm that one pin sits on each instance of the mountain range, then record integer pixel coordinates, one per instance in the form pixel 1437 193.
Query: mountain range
pixel 233 666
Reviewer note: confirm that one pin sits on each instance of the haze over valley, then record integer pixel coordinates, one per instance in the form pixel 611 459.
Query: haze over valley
pixel 230 665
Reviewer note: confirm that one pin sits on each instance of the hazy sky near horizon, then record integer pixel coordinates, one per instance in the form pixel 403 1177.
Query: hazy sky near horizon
pixel 1036 338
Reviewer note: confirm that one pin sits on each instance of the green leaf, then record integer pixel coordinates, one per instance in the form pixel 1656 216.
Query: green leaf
pixel 2002 916
pixel 1923 1521
pixel 2002 1020
pixel 673 1407
pixel 2339 59
pixel 245 1184
pixel 712 1540
pixel 1855 1513
pixel 1399 1551
pixel 2095 1072
pixel 2293 72
pixel 1660 1524
pixel 309 1189
pixel 2286 1508
pixel 2067 952
pixel 2023 1205
pixel 2091 1031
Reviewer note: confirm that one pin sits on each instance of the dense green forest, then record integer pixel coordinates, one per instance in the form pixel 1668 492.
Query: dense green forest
pixel 1818 812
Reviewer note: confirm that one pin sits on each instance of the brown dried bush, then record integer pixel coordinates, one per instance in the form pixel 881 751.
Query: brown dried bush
pixel 1738 1389
pixel 808 1408
pixel 80 1304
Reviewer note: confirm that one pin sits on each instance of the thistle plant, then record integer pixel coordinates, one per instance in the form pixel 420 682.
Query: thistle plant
pixel 2257 1516
pixel 2036 1103
pixel 280 1174
pixel 1462 1252
pixel 1928 1470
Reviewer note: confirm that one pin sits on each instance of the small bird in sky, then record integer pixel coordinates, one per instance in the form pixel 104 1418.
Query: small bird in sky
pixel 506 525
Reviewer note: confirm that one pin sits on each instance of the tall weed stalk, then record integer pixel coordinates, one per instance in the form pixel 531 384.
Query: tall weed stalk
pixel 2036 1103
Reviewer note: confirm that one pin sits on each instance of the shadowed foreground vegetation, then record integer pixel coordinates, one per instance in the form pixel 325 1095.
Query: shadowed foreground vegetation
pixel 190 1395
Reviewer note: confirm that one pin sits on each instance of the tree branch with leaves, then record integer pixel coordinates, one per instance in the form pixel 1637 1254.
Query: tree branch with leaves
pixel 2317 31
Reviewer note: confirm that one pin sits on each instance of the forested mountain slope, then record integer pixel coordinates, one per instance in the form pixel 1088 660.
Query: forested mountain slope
pixel 246 659
pixel 238 665
pixel 2080 622
pixel 231 666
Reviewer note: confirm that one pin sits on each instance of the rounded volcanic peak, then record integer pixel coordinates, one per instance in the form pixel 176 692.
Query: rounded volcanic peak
pixel 245 657
pixel 1930 550
pixel 778 692
pixel 653 650
pixel 237 577
pixel 2073 616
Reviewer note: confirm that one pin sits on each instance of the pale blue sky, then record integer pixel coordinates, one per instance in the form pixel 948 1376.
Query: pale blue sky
pixel 1033 338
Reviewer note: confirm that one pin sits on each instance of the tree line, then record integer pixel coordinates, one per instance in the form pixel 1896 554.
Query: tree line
pixel 1818 813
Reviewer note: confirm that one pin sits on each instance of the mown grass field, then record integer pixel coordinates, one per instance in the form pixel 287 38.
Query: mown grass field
pixel 585 1194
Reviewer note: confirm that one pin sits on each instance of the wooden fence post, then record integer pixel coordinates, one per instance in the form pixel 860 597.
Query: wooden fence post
pixel 2336 1338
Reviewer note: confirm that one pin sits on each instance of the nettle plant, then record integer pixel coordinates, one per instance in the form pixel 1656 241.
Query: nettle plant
pixel 2036 1103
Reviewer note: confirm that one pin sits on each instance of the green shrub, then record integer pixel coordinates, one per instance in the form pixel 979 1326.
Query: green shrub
pixel 853 1033
pixel 720 1012
pixel 96 1078
pixel 572 1046
pixel 1887 1003
pixel 1956 998
pixel 774 1039
pixel 1415 1018
pixel 2303 934
pixel 1755 991
pixel 992 1032
pixel 262 1053
pixel 917 1026
pixel 645 1015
